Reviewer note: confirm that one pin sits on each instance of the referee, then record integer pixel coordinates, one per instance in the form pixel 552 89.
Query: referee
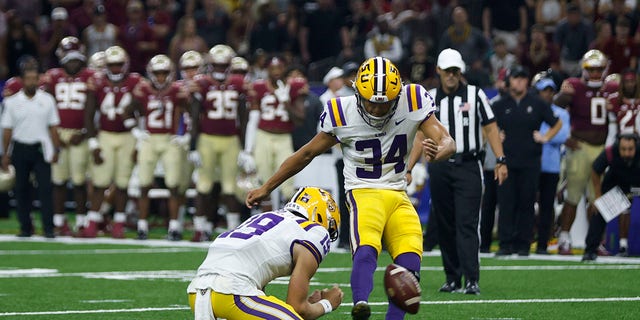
pixel 456 184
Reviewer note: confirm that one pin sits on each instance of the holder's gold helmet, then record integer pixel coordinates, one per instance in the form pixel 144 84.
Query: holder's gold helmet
pixel 316 205
pixel 378 81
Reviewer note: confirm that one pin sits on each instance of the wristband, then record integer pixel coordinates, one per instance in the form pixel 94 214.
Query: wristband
pixel 93 144
pixel 129 123
pixel 326 305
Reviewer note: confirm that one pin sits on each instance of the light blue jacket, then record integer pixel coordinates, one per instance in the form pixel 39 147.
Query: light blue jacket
pixel 551 151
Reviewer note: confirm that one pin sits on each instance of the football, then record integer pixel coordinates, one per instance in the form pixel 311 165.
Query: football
pixel 402 288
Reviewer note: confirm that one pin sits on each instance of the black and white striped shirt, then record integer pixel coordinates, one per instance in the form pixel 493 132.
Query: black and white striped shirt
pixel 464 113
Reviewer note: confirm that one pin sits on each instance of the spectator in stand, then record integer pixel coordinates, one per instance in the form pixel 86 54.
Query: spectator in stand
pixel 115 10
pixel 381 42
pixel 621 49
pixel 213 22
pixel 550 165
pixel 81 17
pixel 161 22
pixel 49 38
pixel 28 11
pixel 573 36
pixel 21 40
pixel 240 21
pixel 464 38
pixel 418 68
pixel 101 34
pixel 186 39
pixel 618 9
pixel 267 33
pixel 539 54
pixel 549 13
pixel 603 35
pixel 501 59
pixel 136 37
pixel 507 19
pixel 324 34
pixel 359 22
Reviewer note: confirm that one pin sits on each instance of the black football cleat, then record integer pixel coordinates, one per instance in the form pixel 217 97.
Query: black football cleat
pixel 361 311
pixel 451 287
pixel 174 235
pixel 472 287
pixel 142 235
pixel 502 252
pixel 589 257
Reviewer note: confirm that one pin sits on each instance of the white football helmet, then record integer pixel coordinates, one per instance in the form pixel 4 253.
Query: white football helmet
pixel 97 61
pixel 113 56
pixel 239 65
pixel 220 57
pixel 191 59
pixel 7 179
pixel 160 63
pixel 70 48
pixel 594 59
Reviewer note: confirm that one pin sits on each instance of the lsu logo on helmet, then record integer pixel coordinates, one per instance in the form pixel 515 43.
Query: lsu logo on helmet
pixel 317 205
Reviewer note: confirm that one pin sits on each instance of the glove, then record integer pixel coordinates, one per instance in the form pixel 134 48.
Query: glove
pixel 140 135
pixel 246 162
pixel 194 157
pixel 182 140
pixel 282 92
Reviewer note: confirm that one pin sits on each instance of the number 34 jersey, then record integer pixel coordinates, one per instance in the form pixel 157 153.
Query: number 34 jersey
pixel 377 158
pixel 242 261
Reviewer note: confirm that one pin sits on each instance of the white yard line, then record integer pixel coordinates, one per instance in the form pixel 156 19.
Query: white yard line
pixel 97 251
pixel 444 302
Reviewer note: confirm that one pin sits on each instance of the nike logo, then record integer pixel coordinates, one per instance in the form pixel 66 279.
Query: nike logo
pixel 400 121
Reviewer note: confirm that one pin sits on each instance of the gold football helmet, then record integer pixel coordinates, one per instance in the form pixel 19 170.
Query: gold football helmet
pixel 378 81
pixel 115 55
pixel 160 63
pixel 594 59
pixel 316 205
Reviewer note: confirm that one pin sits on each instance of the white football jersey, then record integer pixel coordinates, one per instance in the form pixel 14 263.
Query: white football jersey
pixel 242 261
pixel 377 158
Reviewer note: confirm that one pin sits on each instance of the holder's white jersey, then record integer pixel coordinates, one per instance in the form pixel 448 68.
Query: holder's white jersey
pixel 242 261
pixel 377 158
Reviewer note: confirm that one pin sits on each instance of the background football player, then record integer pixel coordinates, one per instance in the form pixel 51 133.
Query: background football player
pixel 290 242
pixel 72 86
pixel 113 146
pixel 275 105
pixel 587 108
pixel 215 127
pixel 161 102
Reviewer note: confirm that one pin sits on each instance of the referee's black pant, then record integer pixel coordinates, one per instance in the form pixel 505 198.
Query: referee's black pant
pixel 28 158
pixel 516 198
pixel 456 193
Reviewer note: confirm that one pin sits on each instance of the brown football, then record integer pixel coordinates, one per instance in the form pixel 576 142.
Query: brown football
pixel 402 288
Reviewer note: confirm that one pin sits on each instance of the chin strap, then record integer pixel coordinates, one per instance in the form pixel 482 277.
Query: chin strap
pixel 594 84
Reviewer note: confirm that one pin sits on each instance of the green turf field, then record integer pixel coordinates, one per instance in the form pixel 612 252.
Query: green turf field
pixel 123 279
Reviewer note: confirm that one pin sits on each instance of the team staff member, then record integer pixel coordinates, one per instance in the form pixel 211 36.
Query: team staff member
pixel 520 115
pixel 30 122
pixel 456 184
pixel 623 161
pixel 290 242
pixel 376 129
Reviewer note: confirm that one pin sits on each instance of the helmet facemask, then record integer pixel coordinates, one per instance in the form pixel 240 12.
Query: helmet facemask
pixel 376 122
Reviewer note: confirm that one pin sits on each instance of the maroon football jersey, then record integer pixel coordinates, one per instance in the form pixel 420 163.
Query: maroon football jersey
pixel 70 93
pixel 113 99
pixel 626 111
pixel 220 105
pixel 273 115
pixel 588 109
pixel 161 108
pixel 12 86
